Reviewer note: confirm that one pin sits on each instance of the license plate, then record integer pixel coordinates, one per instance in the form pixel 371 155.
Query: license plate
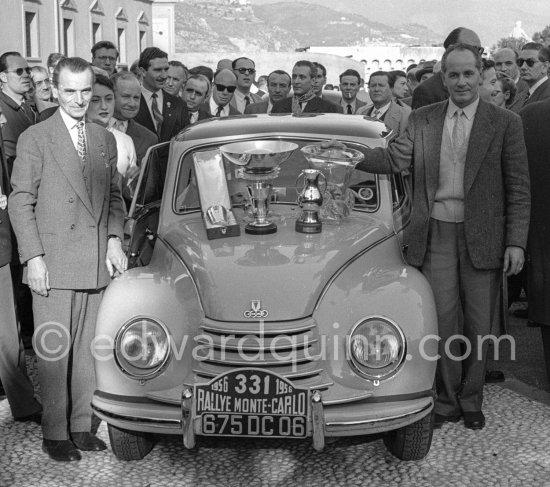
pixel 252 402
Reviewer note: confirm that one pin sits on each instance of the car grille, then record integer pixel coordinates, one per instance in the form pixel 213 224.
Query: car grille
pixel 291 349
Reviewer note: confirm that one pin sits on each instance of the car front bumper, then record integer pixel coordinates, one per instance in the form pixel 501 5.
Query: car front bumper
pixel 347 419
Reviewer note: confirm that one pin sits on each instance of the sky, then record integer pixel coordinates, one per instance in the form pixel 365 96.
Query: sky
pixel 490 19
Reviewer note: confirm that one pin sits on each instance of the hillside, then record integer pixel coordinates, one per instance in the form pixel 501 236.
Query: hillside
pixel 227 25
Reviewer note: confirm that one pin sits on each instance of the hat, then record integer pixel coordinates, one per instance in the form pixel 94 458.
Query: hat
pixel 423 68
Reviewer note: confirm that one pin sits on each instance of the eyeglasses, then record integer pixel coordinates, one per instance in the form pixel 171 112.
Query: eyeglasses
pixel 246 70
pixel 530 62
pixel 230 89
pixel 19 71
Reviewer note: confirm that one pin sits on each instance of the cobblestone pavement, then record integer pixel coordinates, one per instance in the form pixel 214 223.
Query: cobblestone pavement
pixel 512 450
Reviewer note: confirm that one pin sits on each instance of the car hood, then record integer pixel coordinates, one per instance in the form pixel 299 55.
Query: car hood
pixel 273 277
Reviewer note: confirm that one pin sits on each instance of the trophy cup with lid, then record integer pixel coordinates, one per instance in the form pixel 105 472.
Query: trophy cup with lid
pixel 259 162
pixel 336 163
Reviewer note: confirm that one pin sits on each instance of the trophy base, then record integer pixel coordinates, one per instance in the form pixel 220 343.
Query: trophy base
pixel 308 227
pixel 260 230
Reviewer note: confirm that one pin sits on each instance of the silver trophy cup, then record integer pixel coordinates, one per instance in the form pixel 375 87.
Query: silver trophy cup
pixel 310 199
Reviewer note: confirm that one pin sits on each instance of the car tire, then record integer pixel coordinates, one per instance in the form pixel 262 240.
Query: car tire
pixel 412 442
pixel 129 445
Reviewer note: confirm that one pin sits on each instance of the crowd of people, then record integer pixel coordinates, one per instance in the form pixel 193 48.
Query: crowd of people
pixel 74 135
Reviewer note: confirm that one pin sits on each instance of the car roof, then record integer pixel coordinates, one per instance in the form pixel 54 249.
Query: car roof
pixel 333 125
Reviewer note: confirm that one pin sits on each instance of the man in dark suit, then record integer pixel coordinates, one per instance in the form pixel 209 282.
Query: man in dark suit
pixel 127 103
pixel 223 90
pixel 533 62
pixel 433 89
pixel 13 369
pixel 536 123
pixel 245 71
pixel 195 92
pixel 278 88
pixel 160 112
pixel 304 99
pixel 66 210
pixel 469 219
pixel 506 63
pixel 350 82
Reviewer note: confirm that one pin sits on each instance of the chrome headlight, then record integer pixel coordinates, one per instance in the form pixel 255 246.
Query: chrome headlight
pixel 376 348
pixel 142 348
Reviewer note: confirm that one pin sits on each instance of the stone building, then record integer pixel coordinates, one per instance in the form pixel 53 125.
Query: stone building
pixel 37 28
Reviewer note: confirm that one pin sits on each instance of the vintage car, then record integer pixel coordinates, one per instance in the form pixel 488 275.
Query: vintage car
pixel 286 334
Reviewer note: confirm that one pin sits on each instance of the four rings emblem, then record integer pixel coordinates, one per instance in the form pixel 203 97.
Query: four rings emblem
pixel 256 310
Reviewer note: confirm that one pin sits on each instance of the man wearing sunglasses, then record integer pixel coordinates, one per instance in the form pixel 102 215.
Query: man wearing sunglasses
pixel 533 62
pixel 245 71
pixel 15 76
pixel 223 90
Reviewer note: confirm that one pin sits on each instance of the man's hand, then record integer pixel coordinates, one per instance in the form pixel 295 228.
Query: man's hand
pixel 513 260
pixel 115 260
pixel 37 275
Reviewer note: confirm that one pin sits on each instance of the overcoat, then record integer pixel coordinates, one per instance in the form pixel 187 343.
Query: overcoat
pixel 536 122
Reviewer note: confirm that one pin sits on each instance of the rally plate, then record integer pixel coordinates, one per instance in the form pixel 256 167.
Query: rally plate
pixel 253 403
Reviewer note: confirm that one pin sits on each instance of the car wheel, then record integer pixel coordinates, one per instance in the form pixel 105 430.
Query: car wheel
pixel 412 442
pixel 129 445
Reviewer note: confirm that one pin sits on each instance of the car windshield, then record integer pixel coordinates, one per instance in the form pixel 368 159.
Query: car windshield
pixel 364 185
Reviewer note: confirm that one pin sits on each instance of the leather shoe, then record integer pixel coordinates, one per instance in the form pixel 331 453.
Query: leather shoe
pixel 439 419
pixel 34 418
pixel 87 442
pixel 493 376
pixel 474 420
pixel 61 450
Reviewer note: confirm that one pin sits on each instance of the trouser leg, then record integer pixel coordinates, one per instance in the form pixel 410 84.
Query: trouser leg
pixel 545 330
pixel 13 370
pixel 441 269
pixel 82 380
pixel 52 343
pixel 480 292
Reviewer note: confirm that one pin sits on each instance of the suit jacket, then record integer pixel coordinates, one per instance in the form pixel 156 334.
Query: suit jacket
pixel 174 113
pixel 18 121
pixel 521 96
pixel 254 108
pixel 143 139
pixel 358 106
pixel 496 180
pixel 5 232
pixel 203 115
pixel 430 91
pixel 395 118
pixel 205 107
pixel 51 211
pixel 254 98
pixel 540 94
pixel 315 105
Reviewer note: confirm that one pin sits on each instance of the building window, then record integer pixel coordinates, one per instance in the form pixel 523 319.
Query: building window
pixel 31 35
pixel 96 32
pixel 68 37
pixel 121 39
pixel 142 40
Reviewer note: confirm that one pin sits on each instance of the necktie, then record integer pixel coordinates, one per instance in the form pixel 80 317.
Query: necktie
pixel 81 143
pixel 350 111
pixel 376 113
pixel 219 111
pixel 29 112
pixel 459 135
pixel 157 115
pixel 246 101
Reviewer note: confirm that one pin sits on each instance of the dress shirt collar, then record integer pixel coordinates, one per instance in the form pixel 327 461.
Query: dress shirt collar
pixel 382 110
pixel 345 104
pixel 121 125
pixel 148 94
pixel 469 111
pixel 69 121
pixel 536 85
pixel 214 108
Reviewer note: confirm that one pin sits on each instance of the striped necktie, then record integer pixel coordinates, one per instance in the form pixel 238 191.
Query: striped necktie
pixel 350 111
pixel 157 114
